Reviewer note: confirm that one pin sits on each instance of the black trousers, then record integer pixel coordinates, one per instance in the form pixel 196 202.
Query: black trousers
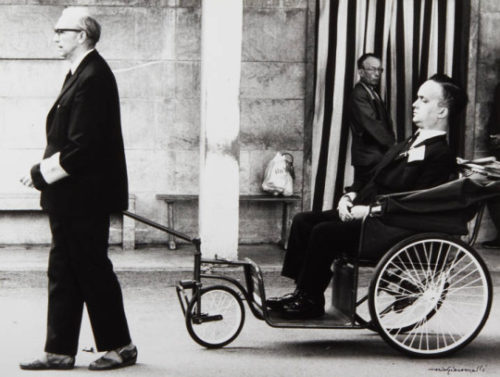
pixel 316 239
pixel 80 272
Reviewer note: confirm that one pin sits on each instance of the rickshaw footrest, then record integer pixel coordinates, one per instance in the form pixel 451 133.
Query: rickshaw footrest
pixel 187 284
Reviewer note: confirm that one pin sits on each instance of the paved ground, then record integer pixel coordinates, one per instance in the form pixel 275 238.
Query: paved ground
pixel 165 348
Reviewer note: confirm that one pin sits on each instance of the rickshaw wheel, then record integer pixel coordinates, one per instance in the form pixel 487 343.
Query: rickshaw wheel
pixel 220 319
pixel 430 295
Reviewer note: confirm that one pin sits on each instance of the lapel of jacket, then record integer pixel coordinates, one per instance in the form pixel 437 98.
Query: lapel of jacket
pixel 75 75
pixel 431 140
pixel 390 156
pixel 377 102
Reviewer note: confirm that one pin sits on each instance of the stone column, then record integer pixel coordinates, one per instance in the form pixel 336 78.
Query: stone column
pixel 221 33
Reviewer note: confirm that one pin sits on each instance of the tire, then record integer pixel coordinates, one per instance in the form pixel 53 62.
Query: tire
pixel 430 295
pixel 221 319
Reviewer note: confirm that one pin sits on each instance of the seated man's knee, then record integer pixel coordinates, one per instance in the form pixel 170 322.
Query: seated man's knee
pixel 300 217
pixel 322 236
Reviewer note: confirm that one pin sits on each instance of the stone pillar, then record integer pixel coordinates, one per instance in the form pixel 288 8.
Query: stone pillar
pixel 221 33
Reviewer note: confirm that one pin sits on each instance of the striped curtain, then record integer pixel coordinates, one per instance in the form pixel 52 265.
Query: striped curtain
pixel 414 38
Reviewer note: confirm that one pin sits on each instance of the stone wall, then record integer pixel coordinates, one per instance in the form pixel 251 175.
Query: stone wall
pixel 487 69
pixel 154 49
pixel 484 74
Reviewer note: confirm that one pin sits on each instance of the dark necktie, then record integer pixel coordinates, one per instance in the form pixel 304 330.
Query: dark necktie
pixel 376 95
pixel 412 139
pixel 68 76
pixel 407 146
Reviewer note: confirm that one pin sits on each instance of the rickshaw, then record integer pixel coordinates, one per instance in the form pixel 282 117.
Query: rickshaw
pixel 429 295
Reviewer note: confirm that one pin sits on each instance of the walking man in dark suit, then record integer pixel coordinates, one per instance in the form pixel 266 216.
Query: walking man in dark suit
pixel 317 238
pixel 370 124
pixel 83 179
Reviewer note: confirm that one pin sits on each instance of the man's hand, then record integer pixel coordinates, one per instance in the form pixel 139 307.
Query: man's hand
pixel 26 180
pixel 359 212
pixel 344 208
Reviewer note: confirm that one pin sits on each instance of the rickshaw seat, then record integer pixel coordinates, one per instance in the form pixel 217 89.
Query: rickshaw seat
pixel 457 205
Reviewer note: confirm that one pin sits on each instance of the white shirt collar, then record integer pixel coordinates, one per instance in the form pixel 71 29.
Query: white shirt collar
pixel 426 134
pixel 76 63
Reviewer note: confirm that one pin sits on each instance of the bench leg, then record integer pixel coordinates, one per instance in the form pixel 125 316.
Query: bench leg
pixel 284 225
pixel 171 224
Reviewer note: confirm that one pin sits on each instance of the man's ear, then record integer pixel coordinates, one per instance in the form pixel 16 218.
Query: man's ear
pixel 443 112
pixel 82 37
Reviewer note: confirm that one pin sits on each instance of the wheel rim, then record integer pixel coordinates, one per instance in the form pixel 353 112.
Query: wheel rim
pixel 227 311
pixel 431 296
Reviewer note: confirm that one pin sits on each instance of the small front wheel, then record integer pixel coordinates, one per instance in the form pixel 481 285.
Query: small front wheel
pixel 216 318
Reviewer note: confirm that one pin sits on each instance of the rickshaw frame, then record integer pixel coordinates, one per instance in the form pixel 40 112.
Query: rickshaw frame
pixel 342 313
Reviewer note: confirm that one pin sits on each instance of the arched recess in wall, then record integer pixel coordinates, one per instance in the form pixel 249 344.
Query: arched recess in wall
pixel 415 38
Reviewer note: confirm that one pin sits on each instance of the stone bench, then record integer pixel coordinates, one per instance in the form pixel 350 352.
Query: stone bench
pixel 285 201
pixel 31 202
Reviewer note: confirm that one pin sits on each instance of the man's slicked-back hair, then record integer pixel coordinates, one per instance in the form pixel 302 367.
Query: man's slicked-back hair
pixel 92 28
pixel 454 97
pixel 363 57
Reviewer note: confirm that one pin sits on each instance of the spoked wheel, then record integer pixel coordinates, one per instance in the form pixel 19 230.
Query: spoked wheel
pixel 405 294
pixel 220 318
pixel 430 295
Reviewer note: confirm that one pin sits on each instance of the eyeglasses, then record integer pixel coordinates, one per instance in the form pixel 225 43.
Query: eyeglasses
pixel 371 69
pixel 61 31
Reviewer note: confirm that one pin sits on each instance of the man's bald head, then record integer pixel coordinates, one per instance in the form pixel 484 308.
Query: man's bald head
pixel 80 18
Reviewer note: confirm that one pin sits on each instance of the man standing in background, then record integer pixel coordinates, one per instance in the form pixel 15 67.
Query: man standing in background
pixel 370 124
pixel 83 179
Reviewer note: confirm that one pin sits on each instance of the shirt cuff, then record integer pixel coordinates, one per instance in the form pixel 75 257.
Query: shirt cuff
pixel 351 194
pixel 51 169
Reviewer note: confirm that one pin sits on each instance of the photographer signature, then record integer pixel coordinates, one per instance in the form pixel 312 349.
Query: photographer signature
pixel 453 369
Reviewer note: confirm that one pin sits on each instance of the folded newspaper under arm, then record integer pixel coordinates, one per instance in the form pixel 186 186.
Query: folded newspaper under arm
pixel 487 167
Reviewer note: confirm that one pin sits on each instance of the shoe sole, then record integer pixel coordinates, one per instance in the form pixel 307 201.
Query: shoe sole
pixel 46 367
pixel 117 366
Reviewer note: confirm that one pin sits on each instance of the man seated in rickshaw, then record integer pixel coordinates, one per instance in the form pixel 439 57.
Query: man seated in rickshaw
pixel 317 238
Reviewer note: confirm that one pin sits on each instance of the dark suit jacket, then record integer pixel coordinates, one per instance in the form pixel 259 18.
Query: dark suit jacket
pixel 395 174
pixel 84 126
pixel 372 133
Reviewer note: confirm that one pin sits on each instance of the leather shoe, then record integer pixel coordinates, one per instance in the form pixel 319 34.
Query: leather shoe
pixel 304 307
pixel 50 361
pixel 277 303
pixel 119 358
pixel 493 244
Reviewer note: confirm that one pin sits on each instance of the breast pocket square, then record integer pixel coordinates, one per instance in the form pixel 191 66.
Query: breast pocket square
pixel 416 154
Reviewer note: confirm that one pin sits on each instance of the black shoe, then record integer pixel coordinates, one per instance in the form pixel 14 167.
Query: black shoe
pixel 50 361
pixel 304 307
pixel 277 303
pixel 128 357
pixel 493 244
